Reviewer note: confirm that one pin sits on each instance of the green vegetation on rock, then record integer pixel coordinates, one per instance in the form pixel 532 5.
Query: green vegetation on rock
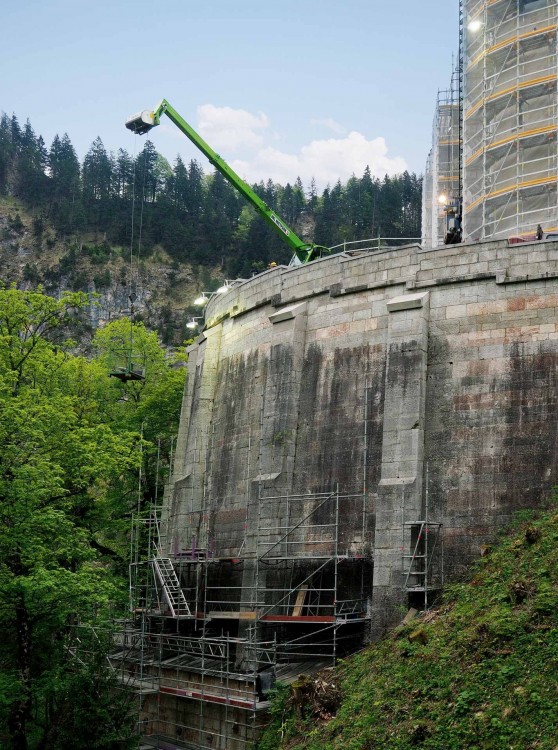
pixel 480 672
pixel 75 226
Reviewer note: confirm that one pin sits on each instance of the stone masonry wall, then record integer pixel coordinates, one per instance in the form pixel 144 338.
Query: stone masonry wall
pixel 370 373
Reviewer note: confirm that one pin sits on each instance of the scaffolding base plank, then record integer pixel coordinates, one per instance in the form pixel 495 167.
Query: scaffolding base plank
pixel 216 615
pixel 207 697
pixel 297 618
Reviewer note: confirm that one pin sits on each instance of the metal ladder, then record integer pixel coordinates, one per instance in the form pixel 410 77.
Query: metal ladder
pixel 174 596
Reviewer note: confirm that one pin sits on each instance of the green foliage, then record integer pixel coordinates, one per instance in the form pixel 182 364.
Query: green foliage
pixel 150 406
pixel 33 329
pixel 282 437
pixel 282 721
pixel 38 226
pixel 102 280
pixel 70 449
pixel 91 709
pixel 31 273
pixel 15 224
pixel 98 254
pixel 483 678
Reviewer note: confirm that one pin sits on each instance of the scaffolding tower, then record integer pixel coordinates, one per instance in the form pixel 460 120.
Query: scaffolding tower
pixel 442 179
pixel 510 118
pixel 209 633
pixel 238 580
pixel 422 555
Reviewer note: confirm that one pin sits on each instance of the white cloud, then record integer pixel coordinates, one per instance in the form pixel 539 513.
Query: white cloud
pixel 326 160
pixel 330 124
pixel 228 128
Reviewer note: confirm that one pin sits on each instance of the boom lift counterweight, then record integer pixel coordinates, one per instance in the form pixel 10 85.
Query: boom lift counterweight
pixel 144 121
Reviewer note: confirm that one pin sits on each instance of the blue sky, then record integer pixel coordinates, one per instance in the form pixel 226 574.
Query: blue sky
pixel 296 87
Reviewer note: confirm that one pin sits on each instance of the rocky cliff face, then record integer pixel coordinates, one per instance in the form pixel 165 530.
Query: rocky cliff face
pixel 31 254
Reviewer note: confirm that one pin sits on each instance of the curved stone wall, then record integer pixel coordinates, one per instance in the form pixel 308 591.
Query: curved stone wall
pixel 411 381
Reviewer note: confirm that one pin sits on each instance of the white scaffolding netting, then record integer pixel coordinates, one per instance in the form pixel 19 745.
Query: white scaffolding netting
pixel 510 117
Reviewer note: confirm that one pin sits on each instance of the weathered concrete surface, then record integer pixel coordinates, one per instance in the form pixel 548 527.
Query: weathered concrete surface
pixel 400 490
pixel 358 371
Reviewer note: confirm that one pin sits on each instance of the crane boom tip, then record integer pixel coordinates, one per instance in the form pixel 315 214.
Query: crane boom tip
pixel 141 123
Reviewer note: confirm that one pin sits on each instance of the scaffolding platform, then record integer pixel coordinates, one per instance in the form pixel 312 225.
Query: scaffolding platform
pixel 214 624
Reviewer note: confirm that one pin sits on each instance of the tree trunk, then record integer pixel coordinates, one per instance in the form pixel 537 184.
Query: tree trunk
pixel 20 711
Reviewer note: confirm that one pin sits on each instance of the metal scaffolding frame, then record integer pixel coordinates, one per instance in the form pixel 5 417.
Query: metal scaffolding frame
pixel 442 178
pixel 219 613
pixel 422 555
pixel 428 202
pixel 302 541
pixel 195 673
pixel 510 117
pixel 269 613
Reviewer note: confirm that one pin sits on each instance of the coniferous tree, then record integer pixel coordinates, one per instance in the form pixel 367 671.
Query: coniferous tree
pixel 353 207
pixel 286 203
pixel 178 186
pixel 196 218
pixel 6 153
pixel 97 181
pixel 312 195
pixel 97 173
pixel 367 222
pixel 64 169
pixel 299 201
pixel 65 188
pixel 15 131
pixel 329 215
pixel 30 168
pixel 147 175
pixel 196 189
pixel 123 170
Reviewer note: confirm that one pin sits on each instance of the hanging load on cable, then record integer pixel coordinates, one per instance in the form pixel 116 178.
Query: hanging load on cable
pixel 144 121
pixel 126 359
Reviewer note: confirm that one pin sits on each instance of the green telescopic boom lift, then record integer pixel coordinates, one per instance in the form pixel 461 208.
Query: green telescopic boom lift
pixel 144 121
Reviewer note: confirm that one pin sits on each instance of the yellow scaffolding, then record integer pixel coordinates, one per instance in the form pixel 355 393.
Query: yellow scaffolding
pixel 510 105
pixel 441 185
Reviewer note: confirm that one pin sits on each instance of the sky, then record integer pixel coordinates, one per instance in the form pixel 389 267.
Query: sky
pixel 309 88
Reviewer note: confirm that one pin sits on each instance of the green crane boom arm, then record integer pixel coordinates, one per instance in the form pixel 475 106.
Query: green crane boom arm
pixel 144 121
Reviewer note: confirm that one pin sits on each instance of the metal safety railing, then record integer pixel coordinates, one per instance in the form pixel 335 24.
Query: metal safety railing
pixel 375 244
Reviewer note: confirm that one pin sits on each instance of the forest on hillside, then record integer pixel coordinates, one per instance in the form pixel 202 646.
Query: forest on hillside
pixel 197 218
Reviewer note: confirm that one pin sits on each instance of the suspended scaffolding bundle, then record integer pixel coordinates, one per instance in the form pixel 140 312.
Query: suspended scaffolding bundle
pixel 126 361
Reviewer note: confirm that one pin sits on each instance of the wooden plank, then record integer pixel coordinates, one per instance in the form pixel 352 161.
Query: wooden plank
pixel 299 603
pixel 301 618
pixel 217 615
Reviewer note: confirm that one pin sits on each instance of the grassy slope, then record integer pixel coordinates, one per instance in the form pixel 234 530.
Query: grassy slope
pixel 481 672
